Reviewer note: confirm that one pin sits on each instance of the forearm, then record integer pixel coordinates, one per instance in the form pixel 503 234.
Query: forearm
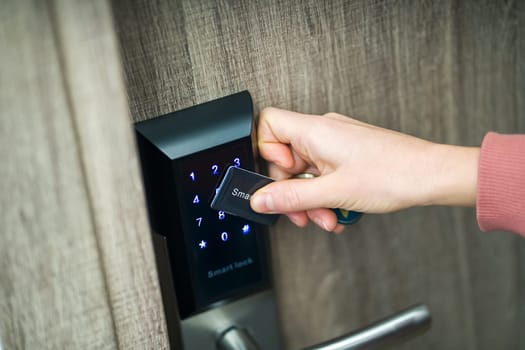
pixel 452 177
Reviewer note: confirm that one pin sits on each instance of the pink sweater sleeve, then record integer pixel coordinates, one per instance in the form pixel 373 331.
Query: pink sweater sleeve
pixel 501 183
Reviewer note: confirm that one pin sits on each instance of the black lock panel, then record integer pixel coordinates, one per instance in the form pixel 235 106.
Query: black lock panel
pixel 214 256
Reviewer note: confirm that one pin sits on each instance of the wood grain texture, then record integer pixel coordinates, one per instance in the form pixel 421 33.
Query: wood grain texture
pixel 490 97
pixel 447 71
pixel 163 69
pixel 92 73
pixel 52 289
pixel 76 263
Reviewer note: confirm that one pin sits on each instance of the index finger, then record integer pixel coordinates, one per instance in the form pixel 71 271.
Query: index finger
pixel 278 129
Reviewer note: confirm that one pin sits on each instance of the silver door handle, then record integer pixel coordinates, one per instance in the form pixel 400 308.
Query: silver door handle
pixel 236 339
pixel 393 329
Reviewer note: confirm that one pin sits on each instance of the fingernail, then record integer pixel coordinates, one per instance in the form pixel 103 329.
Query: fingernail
pixel 295 220
pixel 321 224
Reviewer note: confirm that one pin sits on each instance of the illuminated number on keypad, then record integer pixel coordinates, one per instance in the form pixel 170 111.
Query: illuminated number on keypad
pixel 237 162
pixel 192 176
pixel 215 169
pixel 199 221
pixel 222 216
pixel 224 236
pixel 196 199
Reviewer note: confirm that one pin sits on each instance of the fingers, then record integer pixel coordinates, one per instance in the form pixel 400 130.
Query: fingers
pixel 282 142
pixel 277 130
pixel 277 172
pixel 293 195
pixel 279 125
pixel 299 218
pixel 324 218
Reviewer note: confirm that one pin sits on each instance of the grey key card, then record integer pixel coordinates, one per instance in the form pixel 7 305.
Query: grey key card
pixel 234 192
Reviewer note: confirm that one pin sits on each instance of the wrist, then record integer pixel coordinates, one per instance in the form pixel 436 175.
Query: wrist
pixel 453 177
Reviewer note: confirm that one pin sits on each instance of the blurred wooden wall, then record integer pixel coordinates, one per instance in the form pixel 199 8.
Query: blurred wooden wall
pixel 76 264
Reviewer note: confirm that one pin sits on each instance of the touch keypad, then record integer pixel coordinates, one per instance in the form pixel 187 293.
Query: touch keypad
pixel 221 245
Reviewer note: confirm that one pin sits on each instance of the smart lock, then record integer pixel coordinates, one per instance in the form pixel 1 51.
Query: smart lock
pixel 213 267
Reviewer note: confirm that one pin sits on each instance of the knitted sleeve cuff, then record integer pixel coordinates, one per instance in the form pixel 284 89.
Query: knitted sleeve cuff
pixel 501 183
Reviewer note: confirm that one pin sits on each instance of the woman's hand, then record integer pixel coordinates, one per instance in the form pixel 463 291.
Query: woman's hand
pixel 359 167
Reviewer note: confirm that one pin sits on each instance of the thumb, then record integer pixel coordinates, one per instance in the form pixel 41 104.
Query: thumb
pixel 291 195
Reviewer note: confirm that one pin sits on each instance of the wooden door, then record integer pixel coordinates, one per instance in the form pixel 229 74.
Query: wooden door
pixel 76 265
pixel 446 71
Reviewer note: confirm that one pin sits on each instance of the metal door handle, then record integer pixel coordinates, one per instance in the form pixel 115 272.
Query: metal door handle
pixel 236 339
pixel 396 328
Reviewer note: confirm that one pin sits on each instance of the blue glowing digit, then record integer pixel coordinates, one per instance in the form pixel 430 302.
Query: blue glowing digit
pixel 215 169
pixel 237 162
